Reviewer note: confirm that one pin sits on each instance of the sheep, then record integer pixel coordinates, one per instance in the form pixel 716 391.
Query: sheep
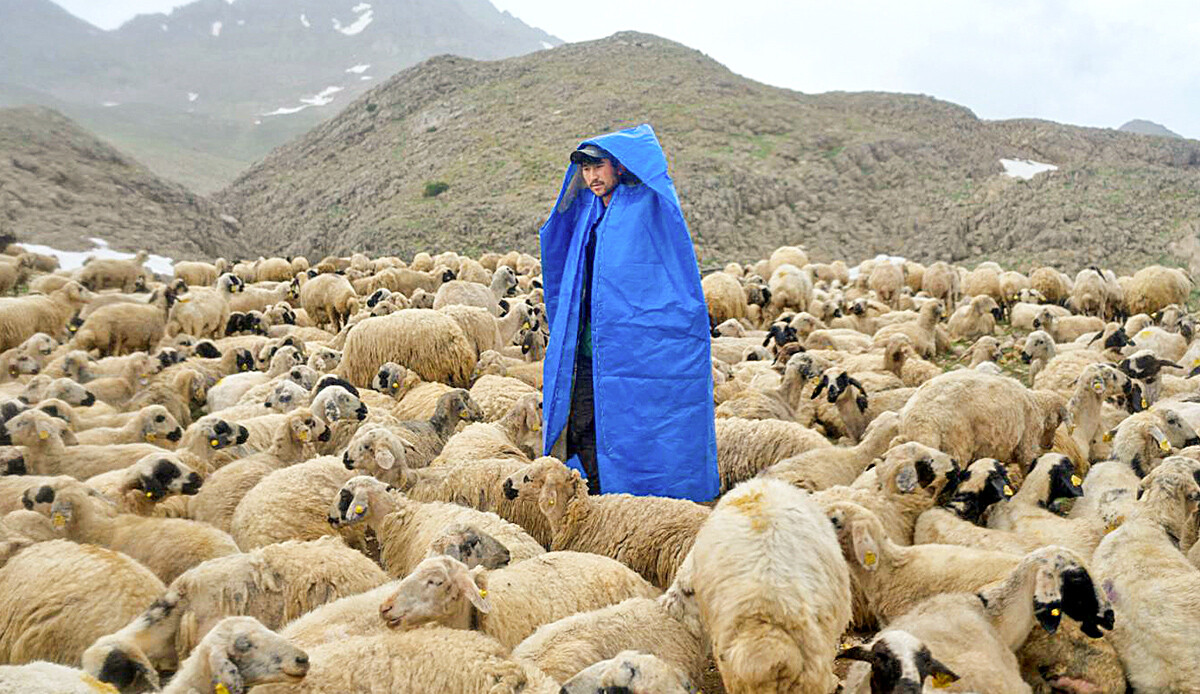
pixel 195 274
pixel 329 299
pixel 492 362
pixel 1045 584
pixel 274 584
pixel 1149 581
pixel 123 328
pixel 1022 314
pixel 229 390
pixel 427 439
pixel 496 395
pixel 985 483
pixel 630 671
pixel 971 415
pixel 821 468
pixel 138 488
pixel 458 291
pixel 940 281
pixel 895 577
pixel 434 659
pixel 410 397
pixel 516 435
pixel 667 626
pixel 978 318
pixel 855 411
pixel 1066 328
pixel 42 387
pixel 238 653
pixel 204 311
pixel 152 424
pixel 920 332
pixel 747 446
pixel 790 287
pixel 773 589
pixel 785 402
pixel 893 661
pixel 1052 284
pixel 1165 345
pixel 290 504
pixel 119 389
pixel 793 255
pixel 406 528
pixel 724 296
pixel 40 677
pixel 112 273
pixel 166 546
pixel 1146 367
pixel 294 442
pixel 465 543
pixel 57 597
pixel 1155 287
pixel 39 313
pixel 651 535
pixel 428 342
pixel 509 604
pixel 886 279
pixel 48 448
pixel 1089 295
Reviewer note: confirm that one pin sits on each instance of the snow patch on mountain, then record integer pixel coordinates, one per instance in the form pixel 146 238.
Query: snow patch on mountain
pixel 216 28
pixel 304 21
pixel 323 98
pixel 359 69
pixel 192 96
pixel 364 20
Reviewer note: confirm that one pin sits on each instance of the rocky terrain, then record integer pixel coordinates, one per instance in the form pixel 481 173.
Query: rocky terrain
pixel 846 174
pixel 200 93
pixel 1145 127
pixel 61 186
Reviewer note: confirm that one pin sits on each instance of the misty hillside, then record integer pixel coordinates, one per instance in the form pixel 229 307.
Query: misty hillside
pixel 847 174
pixel 60 186
pixel 200 93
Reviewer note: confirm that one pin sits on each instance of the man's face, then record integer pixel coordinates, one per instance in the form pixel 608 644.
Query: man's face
pixel 600 177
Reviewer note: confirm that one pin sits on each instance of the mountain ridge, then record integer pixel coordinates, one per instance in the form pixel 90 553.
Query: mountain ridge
pixel 756 166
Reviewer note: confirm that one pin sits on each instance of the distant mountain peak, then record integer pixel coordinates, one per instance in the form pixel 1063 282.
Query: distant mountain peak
pixel 1145 127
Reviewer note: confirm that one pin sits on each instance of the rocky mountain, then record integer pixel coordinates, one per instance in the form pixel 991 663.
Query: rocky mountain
pixel 60 186
pixel 200 93
pixel 848 175
pixel 1145 127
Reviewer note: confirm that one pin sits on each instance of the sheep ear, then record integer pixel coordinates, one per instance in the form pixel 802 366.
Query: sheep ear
pixel 1160 438
pixel 866 550
pixel 384 459
pixel 856 653
pixel 820 386
pixel 226 677
pixel 474 585
pixel 940 675
pixel 60 512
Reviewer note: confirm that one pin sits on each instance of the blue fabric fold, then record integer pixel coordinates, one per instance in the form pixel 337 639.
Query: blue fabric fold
pixel 650 333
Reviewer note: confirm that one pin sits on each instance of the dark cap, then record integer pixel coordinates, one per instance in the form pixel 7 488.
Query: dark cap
pixel 589 152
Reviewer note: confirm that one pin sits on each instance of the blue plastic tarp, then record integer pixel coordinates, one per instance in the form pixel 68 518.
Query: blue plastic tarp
pixel 650 332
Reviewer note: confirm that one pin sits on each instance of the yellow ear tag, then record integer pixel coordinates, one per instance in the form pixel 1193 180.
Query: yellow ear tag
pixel 59 520
pixel 1075 480
pixel 303 435
pixel 150 438
pixel 1196 361
pixel 215 443
pixel 1107 436
pixel 482 593
pixel 98 686
pixel 395 386
pixel 942 680
pixel 1144 333
pixel 220 689
pixel 43 435
pixel 1164 445
pixel 1055 612
pixel 1098 387
pixel 537 427
pixel 869 559
pixel 525 325
pixel 1008 491
pixel 1145 404
pixel 358 509
pixel 1114 524
pixel 149 495
pixel 550 503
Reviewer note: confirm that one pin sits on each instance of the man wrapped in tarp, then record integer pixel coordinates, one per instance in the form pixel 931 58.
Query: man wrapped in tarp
pixel 628 392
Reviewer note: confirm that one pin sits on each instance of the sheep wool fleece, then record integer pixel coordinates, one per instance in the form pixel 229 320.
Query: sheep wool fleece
pixel 652 379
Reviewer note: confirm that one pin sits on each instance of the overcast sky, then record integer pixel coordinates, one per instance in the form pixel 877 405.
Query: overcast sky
pixel 1085 62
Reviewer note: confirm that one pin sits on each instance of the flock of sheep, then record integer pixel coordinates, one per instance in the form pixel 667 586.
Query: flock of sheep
pixel 270 477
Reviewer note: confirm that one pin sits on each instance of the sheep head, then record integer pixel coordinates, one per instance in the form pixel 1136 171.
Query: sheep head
pixel 900 662
pixel 440 589
pixel 361 499
pixel 471 546
pixel 157 476
pixel 239 652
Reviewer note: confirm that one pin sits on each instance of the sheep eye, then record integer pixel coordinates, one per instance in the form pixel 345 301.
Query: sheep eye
pixel 160 418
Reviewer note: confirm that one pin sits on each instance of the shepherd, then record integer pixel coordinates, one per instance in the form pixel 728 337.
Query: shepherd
pixel 628 390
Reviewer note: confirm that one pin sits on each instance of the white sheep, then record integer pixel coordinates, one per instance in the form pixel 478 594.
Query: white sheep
pixel 517 435
pixel 821 468
pixel 747 446
pixel 57 597
pixel 509 604
pixel 631 671
pixel 166 546
pixel 773 589
pixel 652 535
pixel 406 528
